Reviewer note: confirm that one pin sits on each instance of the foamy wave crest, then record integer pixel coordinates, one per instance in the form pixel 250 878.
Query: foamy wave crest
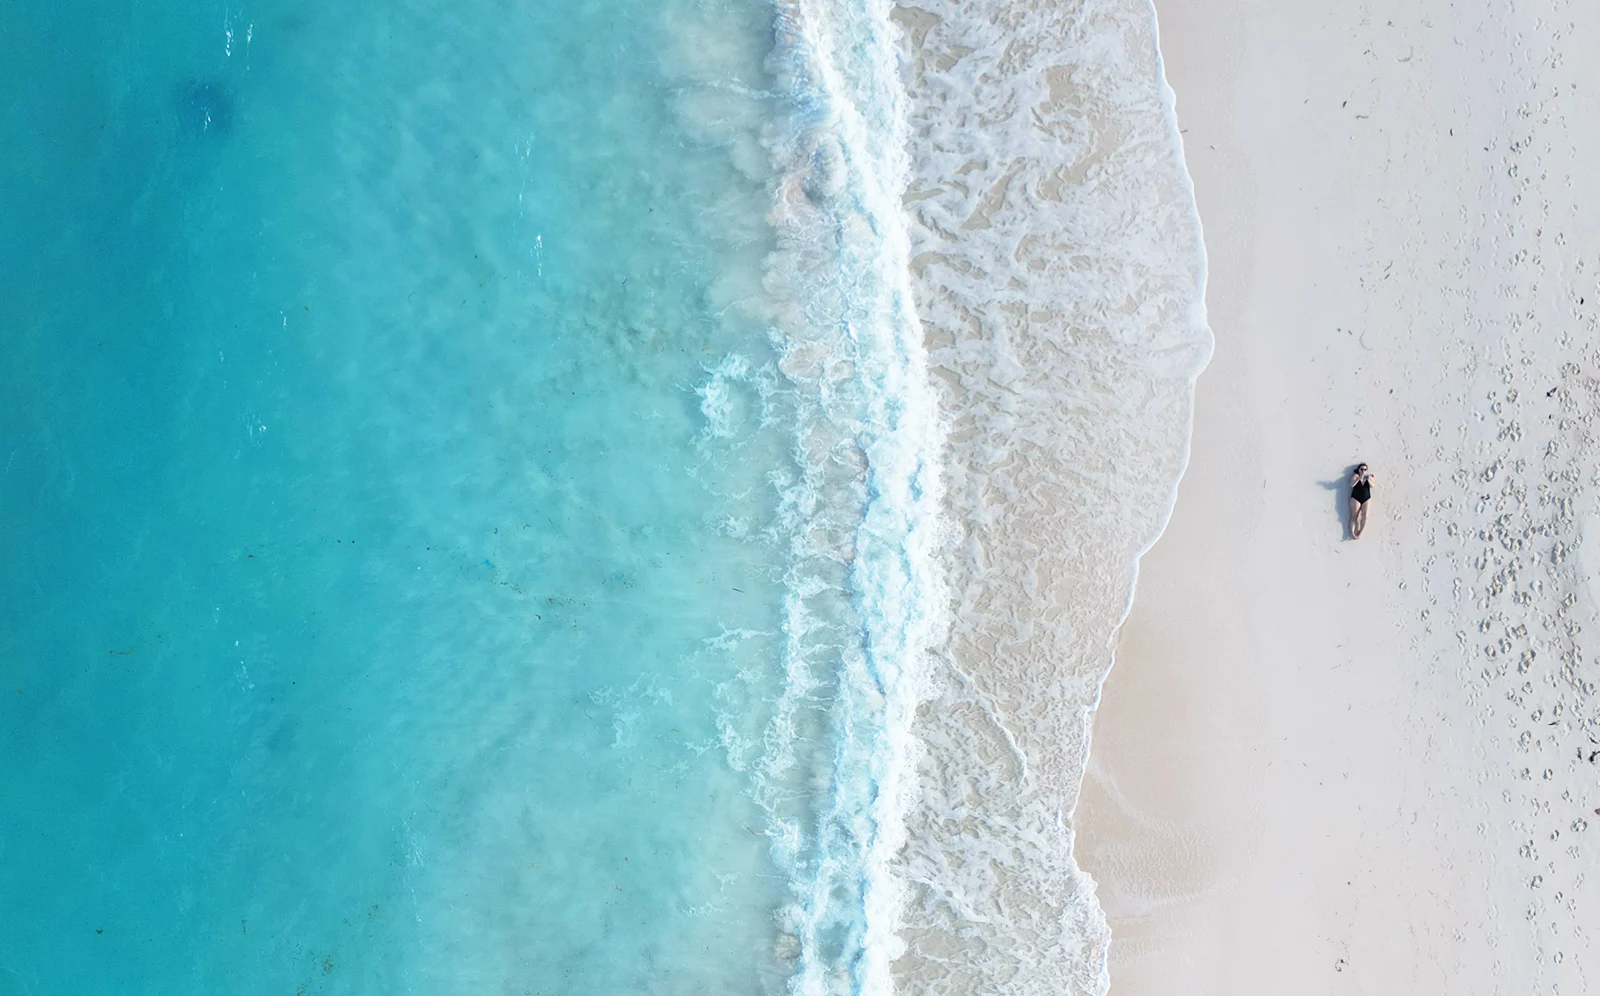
pixel 861 504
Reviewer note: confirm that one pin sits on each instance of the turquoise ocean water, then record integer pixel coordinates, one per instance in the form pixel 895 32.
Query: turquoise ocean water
pixel 464 499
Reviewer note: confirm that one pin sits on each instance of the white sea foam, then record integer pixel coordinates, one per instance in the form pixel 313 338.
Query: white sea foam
pixel 1017 245
pixel 866 601
pixel 1059 275
pixel 858 495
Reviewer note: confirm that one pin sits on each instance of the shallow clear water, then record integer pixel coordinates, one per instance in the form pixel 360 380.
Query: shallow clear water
pixel 473 506
pixel 377 589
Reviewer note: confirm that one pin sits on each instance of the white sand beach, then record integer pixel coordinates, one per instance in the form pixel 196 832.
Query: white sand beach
pixel 1327 766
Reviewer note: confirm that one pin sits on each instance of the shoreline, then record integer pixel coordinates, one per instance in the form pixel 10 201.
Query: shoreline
pixel 1326 764
pixel 1057 265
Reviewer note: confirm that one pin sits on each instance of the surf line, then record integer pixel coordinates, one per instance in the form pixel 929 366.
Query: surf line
pixel 844 168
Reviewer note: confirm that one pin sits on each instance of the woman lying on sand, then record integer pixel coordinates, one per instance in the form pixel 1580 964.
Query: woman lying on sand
pixel 1360 495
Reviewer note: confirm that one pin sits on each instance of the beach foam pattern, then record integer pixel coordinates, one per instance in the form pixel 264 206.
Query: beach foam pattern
pixel 861 504
pixel 1059 272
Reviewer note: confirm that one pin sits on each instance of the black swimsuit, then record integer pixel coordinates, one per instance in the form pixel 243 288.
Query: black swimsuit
pixel 1362 491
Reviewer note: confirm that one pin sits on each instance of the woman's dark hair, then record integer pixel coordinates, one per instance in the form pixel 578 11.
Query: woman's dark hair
pixel 1360 467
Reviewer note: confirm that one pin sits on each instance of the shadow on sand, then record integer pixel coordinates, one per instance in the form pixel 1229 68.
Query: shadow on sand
pixel 1340 486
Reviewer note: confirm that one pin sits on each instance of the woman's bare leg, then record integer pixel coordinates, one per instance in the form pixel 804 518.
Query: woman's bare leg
pixel 1358 518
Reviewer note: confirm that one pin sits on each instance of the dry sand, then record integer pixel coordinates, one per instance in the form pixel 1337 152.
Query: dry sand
pixel 1370 767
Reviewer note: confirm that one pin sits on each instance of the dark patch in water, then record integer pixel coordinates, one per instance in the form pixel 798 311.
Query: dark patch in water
pixel 205 108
